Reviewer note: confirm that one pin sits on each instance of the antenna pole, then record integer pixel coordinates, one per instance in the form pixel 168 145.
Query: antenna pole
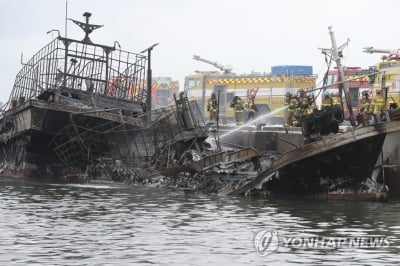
pixel 66 17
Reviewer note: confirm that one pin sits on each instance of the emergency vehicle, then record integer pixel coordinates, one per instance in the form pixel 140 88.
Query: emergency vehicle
pixel 272 87
pixel 162 91
pixel 357 81
pixel 385 75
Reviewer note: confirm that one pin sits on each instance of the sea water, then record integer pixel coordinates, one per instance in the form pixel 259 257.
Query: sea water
pixel 45 224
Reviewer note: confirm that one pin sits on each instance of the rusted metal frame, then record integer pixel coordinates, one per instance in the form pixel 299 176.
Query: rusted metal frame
pixel 85 43
pixel 27 69
pixel 127 77
pixel 82 54
pixel 209 161
pixel 141 86
pixel 131 83
pixel 178 119
pixel 82 51
pixel 104 115
pixel 84 78
pixel 49 70
pixel 43 64
pixel 125 74
pixel 88 145
pixel 68 150
pixel 88 58
pixel 27 82
pixel 223 157
pixel 34 90
pixel 126 85
pixel 164 140
pixel 107 74
pixel 77 131
pixel 119 72
pixel 144 142
pixel 188 148
pixel 66 46
pixel 21 83
pixel 135 82
pixel 170 127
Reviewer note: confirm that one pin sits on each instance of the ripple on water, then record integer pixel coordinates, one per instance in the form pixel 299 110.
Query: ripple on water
pixel 92 224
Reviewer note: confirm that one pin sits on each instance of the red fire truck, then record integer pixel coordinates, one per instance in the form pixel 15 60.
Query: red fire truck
pixel 162 91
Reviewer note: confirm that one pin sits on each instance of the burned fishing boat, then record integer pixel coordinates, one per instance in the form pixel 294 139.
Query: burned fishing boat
pixel 345 165
pixel 78 107
pixel 333 164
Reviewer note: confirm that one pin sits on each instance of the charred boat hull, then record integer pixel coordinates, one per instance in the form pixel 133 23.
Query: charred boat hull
pixel 340 165
pixel 27 135
pixel 345 167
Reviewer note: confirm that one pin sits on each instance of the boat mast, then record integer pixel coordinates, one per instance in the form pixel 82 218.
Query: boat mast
pixel 336 54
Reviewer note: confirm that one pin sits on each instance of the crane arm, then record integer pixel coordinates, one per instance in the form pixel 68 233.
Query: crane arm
pixel 372 50
pixel 226 68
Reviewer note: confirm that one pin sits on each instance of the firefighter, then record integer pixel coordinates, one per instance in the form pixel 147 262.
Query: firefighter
pixel 302 106
pixel 365 108
pixel 337 107
pixel 309 109
pixel 237 104
pixel 251 107
pixel 287 102
pixel 326 100
pixel 305 103
pixel 336 99
pixel 302 97
pixel 212 106
pixel 301 93
pixel 378 104
pixel 290 116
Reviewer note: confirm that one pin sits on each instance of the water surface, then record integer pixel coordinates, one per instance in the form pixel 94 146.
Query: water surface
pixel 113 225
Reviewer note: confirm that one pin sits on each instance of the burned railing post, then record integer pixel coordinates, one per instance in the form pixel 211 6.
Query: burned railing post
pixel 149 76
pixel 66 44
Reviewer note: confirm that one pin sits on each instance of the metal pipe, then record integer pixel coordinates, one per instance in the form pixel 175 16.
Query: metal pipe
pixel 149 76
pixel 342 86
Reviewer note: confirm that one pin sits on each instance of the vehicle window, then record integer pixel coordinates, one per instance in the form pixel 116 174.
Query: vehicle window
pixel 331 79
pixel 191 83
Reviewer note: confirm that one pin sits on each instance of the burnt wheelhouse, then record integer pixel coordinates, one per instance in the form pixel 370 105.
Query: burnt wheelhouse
pixel 82 73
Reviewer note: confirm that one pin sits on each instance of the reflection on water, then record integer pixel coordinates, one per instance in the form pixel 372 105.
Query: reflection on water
pixel 92 225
